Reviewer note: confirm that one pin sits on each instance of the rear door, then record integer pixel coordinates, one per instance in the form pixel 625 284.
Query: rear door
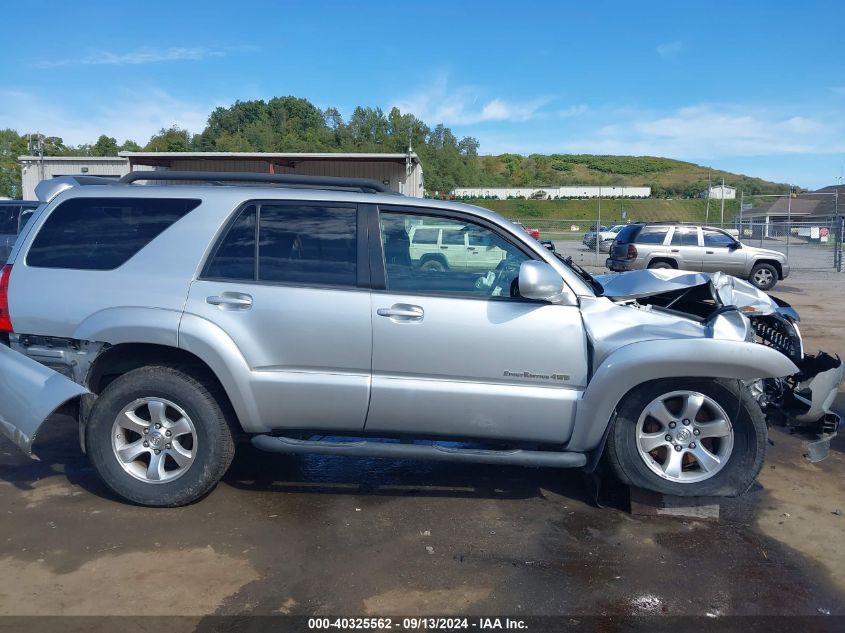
pixel 683 245
pixel 456 354
pixel 285 284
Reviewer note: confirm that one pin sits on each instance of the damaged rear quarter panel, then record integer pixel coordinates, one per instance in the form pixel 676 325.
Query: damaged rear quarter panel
pixel 29 393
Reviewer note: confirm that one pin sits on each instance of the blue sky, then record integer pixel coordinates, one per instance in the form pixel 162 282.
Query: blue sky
pixel 752 87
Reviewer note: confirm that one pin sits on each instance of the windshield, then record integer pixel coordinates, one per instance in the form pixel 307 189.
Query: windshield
pixel 583 274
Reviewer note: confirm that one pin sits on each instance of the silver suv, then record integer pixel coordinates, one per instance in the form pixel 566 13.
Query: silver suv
pixel 690 247
pixel 174 319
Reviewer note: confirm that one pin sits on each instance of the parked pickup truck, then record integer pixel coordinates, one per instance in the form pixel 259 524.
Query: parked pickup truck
pixel 171 320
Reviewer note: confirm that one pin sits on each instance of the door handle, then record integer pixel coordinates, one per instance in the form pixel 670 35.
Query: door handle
pixel 402 312
pixel 674 250
pixel 709 252
pixel 231 301
pixel 443 248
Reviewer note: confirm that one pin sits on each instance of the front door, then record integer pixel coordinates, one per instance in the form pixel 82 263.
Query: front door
pixel 721 252
pixel 285 285
pixel 457 353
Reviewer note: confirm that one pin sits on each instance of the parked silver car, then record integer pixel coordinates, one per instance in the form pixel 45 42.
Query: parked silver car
pixel 172 319
pixel 691 247
pixel 605 237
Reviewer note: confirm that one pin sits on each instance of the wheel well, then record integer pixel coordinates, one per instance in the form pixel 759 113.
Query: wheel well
pixel 120 359
pixel 437 256
pixel 664 260
pixel 771 262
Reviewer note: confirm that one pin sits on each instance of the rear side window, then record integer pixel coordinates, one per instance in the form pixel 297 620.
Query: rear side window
pixel 652 235
pixel 300 244
pixel 103 233
pixel 453 238
pixel 685 236
pixel 425 236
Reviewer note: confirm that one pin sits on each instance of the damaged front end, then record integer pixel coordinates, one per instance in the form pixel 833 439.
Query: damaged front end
pixel 732 308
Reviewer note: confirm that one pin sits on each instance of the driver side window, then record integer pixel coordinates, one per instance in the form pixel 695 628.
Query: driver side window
pixel 426 254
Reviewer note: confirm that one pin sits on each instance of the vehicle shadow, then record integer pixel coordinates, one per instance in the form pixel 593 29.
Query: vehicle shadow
pixel 59 455
pixel 336 475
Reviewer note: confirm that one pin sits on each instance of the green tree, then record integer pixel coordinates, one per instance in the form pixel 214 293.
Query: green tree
pixel 172 139
pixel 105 146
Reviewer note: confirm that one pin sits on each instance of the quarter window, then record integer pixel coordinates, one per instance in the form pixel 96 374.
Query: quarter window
pixel 103 233
pixel 652 235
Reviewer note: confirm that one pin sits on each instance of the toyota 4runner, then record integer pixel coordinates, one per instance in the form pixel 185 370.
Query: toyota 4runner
pixel 174 319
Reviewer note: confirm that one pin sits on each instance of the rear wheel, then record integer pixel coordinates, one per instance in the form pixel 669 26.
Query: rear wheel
pixel 660 265
pixel 433 264
pixel 692 437
pixel 764 276
pixel 159 437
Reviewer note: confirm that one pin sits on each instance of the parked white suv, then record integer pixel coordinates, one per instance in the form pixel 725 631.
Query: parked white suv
pixel 172 319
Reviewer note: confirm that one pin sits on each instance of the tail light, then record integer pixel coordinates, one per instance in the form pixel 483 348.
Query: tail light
pixel 632 251
pixel 5 318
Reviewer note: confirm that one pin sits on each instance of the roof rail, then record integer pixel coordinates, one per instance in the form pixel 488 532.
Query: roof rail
pixel 363 185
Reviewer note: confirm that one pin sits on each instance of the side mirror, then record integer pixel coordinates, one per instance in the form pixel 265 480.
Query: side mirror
pixel 735 246
pixel 539 281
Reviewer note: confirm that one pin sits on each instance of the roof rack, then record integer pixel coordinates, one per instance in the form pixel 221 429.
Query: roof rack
pixel 364 185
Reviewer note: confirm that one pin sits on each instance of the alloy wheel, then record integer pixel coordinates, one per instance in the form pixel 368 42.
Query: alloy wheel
pixel 684 436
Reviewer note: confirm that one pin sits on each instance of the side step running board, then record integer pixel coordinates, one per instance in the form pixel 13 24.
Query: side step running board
pixel 395 450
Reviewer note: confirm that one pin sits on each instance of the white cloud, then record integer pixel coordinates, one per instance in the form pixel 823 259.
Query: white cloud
pixel 142 56
pixel 462 105
pixel 713 131
pixel 667 49
pixel 571 111
pixel 132 114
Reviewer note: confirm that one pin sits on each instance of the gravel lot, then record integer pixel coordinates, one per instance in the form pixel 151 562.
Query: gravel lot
pixel 317 535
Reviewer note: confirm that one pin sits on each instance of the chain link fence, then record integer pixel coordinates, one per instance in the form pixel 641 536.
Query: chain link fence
pixel 807 228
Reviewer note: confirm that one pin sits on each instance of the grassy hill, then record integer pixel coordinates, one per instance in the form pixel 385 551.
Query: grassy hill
pixel 534 212
pixel 666 177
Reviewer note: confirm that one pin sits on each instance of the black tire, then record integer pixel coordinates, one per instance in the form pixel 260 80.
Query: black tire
pixel 653 265
pixel 750 437
pixel 763 276
pixel 433 264
pixel 201 400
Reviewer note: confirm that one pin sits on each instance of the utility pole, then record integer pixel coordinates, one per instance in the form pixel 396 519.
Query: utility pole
pixel 741 199
pixel 598 231
pixel 709 187
pixel 788 221
pixel 722 223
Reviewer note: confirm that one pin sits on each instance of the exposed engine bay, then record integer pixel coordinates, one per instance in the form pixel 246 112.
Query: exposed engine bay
pixel 726 307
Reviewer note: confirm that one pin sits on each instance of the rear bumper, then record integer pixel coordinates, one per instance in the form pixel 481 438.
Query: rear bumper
pixel 29 393
pixel 621 265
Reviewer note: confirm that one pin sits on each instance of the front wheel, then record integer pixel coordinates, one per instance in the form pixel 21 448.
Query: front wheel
pixel 158 436
pixel 692 437
pixel 764 276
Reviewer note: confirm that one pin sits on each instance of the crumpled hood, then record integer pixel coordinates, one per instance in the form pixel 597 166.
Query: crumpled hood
pixel 729 290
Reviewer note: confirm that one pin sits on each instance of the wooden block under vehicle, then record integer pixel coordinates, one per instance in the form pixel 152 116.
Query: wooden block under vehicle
pixel 648 503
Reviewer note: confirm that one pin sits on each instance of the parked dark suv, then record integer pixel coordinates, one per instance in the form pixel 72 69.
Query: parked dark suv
pixel 11 212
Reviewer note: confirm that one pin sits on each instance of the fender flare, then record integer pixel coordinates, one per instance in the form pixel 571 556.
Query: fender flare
pixel 644 361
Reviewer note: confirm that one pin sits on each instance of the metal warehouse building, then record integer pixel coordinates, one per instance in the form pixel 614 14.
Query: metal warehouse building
pixel 34 169
pixel 576 191
pixel 401 172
